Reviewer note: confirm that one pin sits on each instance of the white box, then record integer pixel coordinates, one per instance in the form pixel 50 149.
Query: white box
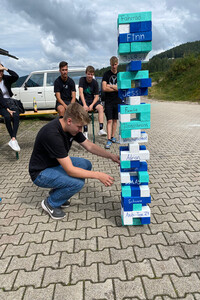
pixel 124 117
pixel 124 28
pixel 134 147
pixel 133 100
pixel 144 191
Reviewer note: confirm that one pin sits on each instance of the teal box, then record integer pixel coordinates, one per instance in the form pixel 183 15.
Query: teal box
pixel 144 116
pixel 124 48
pixel 125 164
pixel 124 84
pixel 126 191
pixel 135 124
pixel 143 176
pixel 136 47
pixel 134 109
pixel 125 133
pixel 137 221
pixel 146 47
pixel 134 17
pixel 133 75
pixel 137 207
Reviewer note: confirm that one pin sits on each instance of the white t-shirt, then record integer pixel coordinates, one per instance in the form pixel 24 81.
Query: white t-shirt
pixel 4 89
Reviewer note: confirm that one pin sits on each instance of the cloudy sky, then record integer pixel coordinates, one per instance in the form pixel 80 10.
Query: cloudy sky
pixel 42 33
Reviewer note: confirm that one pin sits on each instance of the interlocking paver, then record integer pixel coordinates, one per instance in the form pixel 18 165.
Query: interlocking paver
pixel 88 254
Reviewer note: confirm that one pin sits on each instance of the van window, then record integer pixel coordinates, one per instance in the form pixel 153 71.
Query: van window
pixel 76 75
pixel 51 77
pixel 35 80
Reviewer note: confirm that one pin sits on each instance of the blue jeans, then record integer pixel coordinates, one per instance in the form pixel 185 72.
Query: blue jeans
pixel 62 185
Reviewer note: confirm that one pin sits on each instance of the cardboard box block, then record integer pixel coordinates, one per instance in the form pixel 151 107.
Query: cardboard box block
pixel 124 48
pixel 128 57
pixel 124 28
pixel 134 17
pixel 142 167
pixel 140 26
pixel 124 84
pixel 140 47
pixel 134 66
pixel 131 192
pixel 127 155
pixel 135 37
pixel 135 75
pixel 146 82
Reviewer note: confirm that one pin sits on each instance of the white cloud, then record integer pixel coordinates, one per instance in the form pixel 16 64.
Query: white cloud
pixel 42 33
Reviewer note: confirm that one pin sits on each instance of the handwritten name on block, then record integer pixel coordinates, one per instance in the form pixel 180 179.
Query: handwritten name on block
pixel 140 26
pixel 133 75
pixel 129 204
pixel 128 57
pixel 127 155
pixel 133 124
pixel 135 37
pixel 144 213
pixel 124 93
pixel 134 178
pixel 132 109
pixel 142 139
pixel 133 100
pixel 134 17
pixel 124 28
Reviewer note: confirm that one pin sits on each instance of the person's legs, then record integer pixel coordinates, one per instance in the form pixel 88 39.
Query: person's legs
pixel 99 108
pixel 7 119
pixel 62 185
pixel 15 123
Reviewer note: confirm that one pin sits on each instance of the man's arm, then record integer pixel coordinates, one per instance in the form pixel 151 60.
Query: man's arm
pixel 96 98
pixel 58 97
pixel 73 97
pixel 95 149
pixel 81 94
pixel 72 171
pixel 109 88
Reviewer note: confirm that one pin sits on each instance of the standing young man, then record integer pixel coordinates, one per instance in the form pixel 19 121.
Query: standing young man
pixel 109 86
pixel 51 166
pixel 89 96
pixel 64 89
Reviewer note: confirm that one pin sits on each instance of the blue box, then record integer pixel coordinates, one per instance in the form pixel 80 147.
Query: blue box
pixel 134 66
pixel 142 83
pixel 122 93
pixel 141 26
pixel 135 37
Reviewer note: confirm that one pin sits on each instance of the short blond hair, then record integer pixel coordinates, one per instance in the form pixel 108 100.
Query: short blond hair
pixel 77 113
pixel 113 60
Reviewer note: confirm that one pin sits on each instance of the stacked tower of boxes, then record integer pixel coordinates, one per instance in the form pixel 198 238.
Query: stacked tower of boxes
pixel 134 44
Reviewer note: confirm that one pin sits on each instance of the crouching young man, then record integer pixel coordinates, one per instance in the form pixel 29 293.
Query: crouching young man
pixel 51 167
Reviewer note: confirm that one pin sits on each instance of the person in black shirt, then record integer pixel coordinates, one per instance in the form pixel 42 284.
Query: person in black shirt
pixel 11 117
pixel 89 97
pixel 109 86
pixel 51 166
pixel 64 89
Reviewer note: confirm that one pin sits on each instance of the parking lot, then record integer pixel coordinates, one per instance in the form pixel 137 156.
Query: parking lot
pixel 89 255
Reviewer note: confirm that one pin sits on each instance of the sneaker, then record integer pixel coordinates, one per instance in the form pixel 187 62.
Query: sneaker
pixel 66 204
pixel 14 145
pixel 55 213
pixel 113 140
pixel 102 132
pixel 108 144
pixel 85 134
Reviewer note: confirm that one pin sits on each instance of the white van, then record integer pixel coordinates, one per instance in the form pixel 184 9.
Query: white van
pixel 39 86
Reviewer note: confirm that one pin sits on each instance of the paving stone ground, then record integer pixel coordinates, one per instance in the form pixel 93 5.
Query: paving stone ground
pixel 89 255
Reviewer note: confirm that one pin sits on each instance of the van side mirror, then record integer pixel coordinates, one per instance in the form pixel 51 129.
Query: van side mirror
pixel 25 86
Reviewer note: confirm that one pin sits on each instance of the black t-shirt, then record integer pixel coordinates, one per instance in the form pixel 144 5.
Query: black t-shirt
pixel 51 143
pixel 111 97
pixel 90 89
pixel 65 88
